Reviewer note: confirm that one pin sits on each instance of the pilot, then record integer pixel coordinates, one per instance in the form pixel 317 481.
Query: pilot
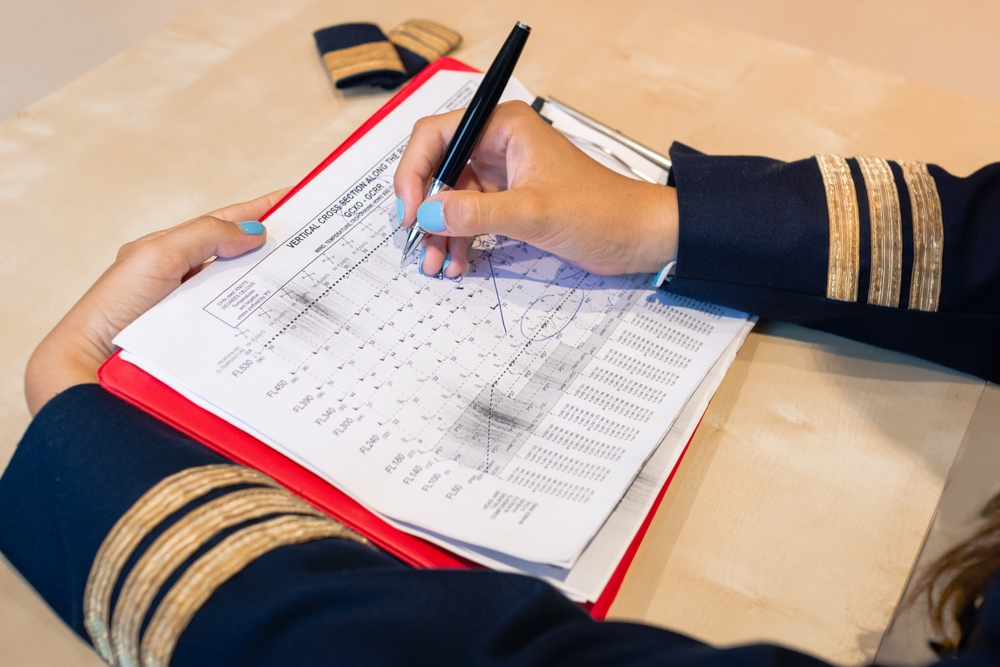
pixel 157 551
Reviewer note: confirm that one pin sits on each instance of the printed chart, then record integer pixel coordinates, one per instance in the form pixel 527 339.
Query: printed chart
pixel 508 409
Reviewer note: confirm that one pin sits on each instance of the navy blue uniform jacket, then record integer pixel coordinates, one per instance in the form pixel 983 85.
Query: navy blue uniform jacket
pixel 159 552
pixel 893 253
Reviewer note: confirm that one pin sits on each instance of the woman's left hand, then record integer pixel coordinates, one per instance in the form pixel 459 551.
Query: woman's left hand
pixel 145 271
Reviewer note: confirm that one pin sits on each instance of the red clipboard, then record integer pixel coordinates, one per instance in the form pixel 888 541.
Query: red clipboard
pixel 142 390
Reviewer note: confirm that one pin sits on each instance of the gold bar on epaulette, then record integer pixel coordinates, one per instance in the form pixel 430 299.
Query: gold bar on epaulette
pixel 343 63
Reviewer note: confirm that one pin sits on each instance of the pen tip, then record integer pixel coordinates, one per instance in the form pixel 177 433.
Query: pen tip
pixel 412 241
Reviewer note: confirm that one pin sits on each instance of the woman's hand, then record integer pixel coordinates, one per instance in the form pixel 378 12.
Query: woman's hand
pixel 144 273
pixel 527 181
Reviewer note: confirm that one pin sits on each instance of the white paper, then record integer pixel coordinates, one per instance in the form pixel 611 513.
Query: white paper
pixel 509 410
pixel 585 581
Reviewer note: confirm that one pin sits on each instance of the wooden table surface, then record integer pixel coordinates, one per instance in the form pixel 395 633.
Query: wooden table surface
pixel 804 498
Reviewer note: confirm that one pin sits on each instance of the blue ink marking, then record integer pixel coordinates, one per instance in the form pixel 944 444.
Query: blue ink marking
pixel 559 331
pixel 496 289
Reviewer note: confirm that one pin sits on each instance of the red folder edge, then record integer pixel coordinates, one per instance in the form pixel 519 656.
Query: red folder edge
pixel 135 386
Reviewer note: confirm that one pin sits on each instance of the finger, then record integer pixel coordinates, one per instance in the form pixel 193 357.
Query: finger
pixel 427 144
pixel 458 252
pixel 172 255
pixel 130 247
pixel 250 210
pixel 433 255
pixel 148 273
pixel 469 213
pixel 245 211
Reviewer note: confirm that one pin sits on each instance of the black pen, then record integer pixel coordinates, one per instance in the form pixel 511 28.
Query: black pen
pixel 471 127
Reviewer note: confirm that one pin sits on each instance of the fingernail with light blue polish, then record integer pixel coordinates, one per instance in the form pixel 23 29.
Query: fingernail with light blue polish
pixel 430 215
pixel 420 262
pixel 251 227
pixel 447 261
pixel 400 210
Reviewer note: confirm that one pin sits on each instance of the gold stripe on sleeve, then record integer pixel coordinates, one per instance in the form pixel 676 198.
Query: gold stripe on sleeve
pixel 886 232
pixel 427 39
pixel 842 206
pixel 215 568
pixel 162 500
pixel 353 60
pixel 928 236
pixel 176 545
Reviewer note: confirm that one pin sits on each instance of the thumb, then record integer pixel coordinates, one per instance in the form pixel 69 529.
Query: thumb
pixel 167 257
pixel 471 213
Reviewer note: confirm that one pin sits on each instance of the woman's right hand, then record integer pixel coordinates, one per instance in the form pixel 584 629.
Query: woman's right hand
pixel 527 181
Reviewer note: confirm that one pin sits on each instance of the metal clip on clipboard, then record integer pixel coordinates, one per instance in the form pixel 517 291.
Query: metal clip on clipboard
pixel 614 137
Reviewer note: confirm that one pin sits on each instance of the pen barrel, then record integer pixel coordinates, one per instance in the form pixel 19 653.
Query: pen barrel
pixel 477 115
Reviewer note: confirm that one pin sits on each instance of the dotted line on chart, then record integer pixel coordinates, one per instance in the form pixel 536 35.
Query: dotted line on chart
pixel 385 288
pixel 469 372
pixel 521 408
pixel 489 423
pixel 489 428
pixel 290 362
pixel 302 333
pixel 552 314
pixel 327 290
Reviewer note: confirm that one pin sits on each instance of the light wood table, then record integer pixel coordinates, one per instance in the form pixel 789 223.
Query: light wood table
pixel 806 494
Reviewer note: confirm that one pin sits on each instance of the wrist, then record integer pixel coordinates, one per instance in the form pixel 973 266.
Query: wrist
pixel 657 247
pixel 56 365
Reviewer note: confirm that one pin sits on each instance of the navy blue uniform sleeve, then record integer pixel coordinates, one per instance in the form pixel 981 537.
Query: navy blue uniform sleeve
pixel 90 464
pixel 897 254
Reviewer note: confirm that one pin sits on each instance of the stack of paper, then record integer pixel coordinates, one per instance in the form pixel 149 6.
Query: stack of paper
pixel 504 414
